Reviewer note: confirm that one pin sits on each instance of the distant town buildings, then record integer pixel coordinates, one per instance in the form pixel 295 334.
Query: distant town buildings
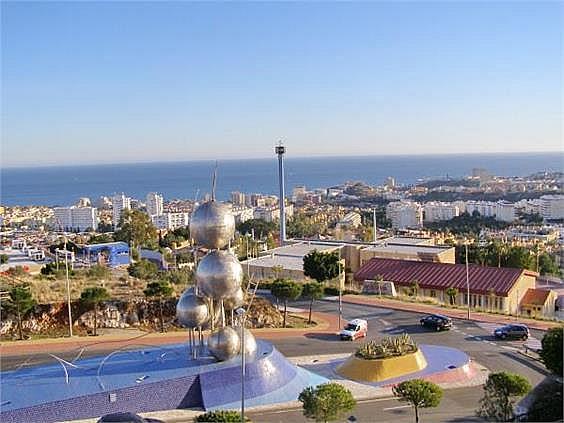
pixel 436 211
pixel 119 203
pixel 552 207
pixel 238 198
pixel 154 204
pixel 171 221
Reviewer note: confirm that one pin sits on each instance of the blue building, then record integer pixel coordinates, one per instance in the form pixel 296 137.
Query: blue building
pixel 112 253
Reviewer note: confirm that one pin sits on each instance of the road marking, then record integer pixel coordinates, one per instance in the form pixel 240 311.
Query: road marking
pixel 396 408
pixel 385 322
pixel 491 343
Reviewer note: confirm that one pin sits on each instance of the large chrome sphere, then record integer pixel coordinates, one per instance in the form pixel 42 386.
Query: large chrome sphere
pixel 191 311
pixel 212 224
pixel 224 343
pixel 219 274
pixel 234 301
pixel 250 342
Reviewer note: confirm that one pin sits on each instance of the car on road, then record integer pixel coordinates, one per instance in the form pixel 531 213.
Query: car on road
pixel 512 332
pixel 356 328
pixel 436 321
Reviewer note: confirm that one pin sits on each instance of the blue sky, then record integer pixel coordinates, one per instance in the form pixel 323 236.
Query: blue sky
pixel 88 82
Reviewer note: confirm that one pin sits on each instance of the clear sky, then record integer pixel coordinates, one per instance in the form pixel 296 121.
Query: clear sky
pixel 89 82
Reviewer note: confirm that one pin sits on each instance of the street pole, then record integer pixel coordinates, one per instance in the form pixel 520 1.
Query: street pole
pixel 467 282
pixel 340 291
pixel 241 313
pixel 68 287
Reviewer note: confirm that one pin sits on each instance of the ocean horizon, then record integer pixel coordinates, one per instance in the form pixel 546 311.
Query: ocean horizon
pixel 62 185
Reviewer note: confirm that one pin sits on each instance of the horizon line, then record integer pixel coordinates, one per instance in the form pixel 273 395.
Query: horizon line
pixel 273 156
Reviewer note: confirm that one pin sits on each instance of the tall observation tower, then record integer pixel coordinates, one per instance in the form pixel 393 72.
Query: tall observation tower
pixel 280 150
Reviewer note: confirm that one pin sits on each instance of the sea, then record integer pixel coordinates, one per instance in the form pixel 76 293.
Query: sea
pixel 64 185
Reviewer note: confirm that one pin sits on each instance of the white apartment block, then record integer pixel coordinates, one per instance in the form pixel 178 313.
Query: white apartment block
pixel 405 214
pixel 154 204
pixel 271 214
pixel 171 221
pixel 76 218
pixel 552 207
pixel 119 203
pixel 242 214
pixel 350 220
pixel 501 210
pixel 436 211
pixel 238 198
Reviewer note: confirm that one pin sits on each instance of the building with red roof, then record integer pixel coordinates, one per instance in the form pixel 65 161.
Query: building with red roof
pixel 491 288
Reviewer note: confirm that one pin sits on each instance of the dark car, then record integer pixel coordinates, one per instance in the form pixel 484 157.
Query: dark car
pixel 126 417
pixel 436 322
pixel 512 332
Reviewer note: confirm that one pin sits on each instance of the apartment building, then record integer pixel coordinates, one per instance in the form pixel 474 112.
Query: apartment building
pixel 75 218
pixel 436 211
pixel 119 203
pixel 405 214
pixel 154 204
pixel 171 221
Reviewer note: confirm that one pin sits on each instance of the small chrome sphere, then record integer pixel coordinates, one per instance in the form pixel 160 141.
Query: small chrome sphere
pixel 212 224
pixel 224 343
pixel 219 274
pixel 191 311
pixel 234 301
pixel 250 342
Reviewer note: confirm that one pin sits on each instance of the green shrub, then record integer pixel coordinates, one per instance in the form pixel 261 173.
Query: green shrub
pixel 220 416
pixel 388 347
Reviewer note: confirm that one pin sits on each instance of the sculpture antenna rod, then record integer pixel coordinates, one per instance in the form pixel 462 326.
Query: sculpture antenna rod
pixel 214 181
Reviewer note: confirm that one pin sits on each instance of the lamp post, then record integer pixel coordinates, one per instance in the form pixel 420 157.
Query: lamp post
pixel 241 314
pixel 467 282
pixel 67 276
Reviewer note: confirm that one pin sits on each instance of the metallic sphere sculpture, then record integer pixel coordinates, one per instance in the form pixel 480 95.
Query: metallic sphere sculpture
pixel 192 311
pixel 250 346
pixel 219 275
pixel 212 224
pixel 224 343
pixel 234 301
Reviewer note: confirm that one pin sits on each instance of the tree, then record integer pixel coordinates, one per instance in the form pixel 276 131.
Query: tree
pixel 551 353
pixel 419 393
pixel 312 291
pixel 548 265
pixel 284 289
pixel 101 239
pixel 143 269
pixel 20 302
pixel 159 290
pixel 3 258
pixel 322 266
pixel 260 227
pixel 452 293
pixel 136 228
pixel 326 402
pixel 500 392
pixel 93 296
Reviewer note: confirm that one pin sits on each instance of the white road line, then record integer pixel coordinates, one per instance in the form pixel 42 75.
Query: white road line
pixel 385 322
pixel 491 343
pixel 396 408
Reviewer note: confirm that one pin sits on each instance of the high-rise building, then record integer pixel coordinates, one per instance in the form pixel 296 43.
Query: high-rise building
pixel 119 203
pixel 436 211
pixel 154 204
pixel 405 214
pixel 238 198
pixel 552 207
pixel 76 218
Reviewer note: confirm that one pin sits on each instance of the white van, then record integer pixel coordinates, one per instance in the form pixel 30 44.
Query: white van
pixel 356 328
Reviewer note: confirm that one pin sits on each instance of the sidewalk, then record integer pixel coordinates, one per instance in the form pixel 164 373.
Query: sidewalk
pixel 450 312
pixel 326 323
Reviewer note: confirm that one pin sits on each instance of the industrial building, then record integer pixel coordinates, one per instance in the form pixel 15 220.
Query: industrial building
pixel 111 253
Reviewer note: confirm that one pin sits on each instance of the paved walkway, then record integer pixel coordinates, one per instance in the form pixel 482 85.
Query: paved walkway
pixel 450 312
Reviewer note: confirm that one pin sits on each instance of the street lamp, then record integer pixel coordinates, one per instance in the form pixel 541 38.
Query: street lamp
pixel 67 276
pixel 241 314
pixel 467 281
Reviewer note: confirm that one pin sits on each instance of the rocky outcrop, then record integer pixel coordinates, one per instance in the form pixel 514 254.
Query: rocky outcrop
pixel 52 319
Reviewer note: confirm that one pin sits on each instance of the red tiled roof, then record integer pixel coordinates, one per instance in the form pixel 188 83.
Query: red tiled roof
pixel 535 296
pixel 442 275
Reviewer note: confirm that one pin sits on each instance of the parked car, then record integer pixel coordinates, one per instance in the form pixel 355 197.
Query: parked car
pixel 356 328
pixel 436 322
pixel 125 417
pixel 512 332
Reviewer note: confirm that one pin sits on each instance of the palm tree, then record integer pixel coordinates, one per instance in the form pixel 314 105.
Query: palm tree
pixel 92 297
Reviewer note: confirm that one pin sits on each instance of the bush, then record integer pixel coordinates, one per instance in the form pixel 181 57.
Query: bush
pixel 98 272
pixel 220 416
pixel 547 403
pixel 143 269
pixel 387 347
pixel 332 291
